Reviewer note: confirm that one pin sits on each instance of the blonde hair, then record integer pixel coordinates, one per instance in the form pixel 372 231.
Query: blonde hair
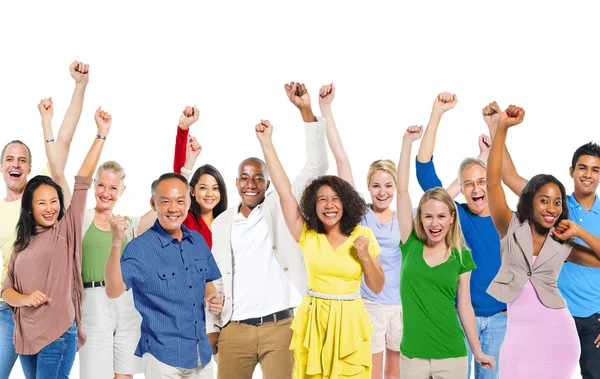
pixel 113 166
pixel 468 163
pixel 384 165
pixel 454 239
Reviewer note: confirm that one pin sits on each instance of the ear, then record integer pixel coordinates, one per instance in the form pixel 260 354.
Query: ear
pixel 453 217
pixel 123 189
pixel 152 204
pixel 268 184
pixel 571 170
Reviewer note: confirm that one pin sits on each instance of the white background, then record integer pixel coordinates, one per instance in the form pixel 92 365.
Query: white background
pixel 388 60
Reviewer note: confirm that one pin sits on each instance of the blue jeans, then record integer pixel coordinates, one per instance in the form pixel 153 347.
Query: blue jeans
pixel 53 361
pixel 491 330
pixel 8 355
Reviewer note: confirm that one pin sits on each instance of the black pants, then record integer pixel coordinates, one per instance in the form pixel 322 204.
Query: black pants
pixel 588 329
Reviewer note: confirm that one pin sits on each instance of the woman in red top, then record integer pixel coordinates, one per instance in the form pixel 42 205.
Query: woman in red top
pixel 207 186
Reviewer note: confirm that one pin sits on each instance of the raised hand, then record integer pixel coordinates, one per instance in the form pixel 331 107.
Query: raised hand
pixel 361 244
pixel 326 94
pixel 491 116
pixel 194 148
pixel 80 72
pixel 215 304
pixel 444 102
pixel 511 117
pixel 264 131
pixel 565 230
pixel 298 95
pixel 413 133
pixel 103 122
pixel 37 298
pixel 486 361
pixel 118 225
pixel 46 109
pixel 188 117
pixel 485 144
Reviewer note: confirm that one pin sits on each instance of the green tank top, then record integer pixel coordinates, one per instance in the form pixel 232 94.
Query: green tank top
pixel 95 248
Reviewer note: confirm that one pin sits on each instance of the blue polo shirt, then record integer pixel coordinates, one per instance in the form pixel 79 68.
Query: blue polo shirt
pixel 481 238
pixel 168 278
pixel 579 284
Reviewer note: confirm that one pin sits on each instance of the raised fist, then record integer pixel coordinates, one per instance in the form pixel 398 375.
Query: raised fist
pixel 46 109
pixel 445 101
pixel 566 229
pixel 79 72
pixel 103 121
pixel 118 225
pixel 263 130
pixel 297 94
pixel 511 117
pixel 194 148
pixel 188 117
pixel 491 116
pixel 326 94
pixel 413 133
pixel 485 144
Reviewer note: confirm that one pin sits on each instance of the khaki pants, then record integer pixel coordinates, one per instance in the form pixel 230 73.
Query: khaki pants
pixel 155 369
pixel 243 346
pixel 449 368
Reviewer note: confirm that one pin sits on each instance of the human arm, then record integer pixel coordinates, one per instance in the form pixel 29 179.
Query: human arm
pixel 467 320
pixel 580 254
pixel 510 176
pixel 367 250
pixel 146 222
pixel 499 209
pixel 103 123
pixel 344 170
pixel 404 208
pixel 15 299
pixel 188 117
pixel 443 102
pixel 113 276
pixel 289 204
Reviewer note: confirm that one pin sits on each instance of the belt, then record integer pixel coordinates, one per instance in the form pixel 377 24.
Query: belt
pixel 282 315
pixel 94 284
pixel 325 296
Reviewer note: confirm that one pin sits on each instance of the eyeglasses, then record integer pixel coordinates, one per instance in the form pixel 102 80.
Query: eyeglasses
pixel 471 184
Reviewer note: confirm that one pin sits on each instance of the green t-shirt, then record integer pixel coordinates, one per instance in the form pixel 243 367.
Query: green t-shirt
pixel 95 248
pixel 431 329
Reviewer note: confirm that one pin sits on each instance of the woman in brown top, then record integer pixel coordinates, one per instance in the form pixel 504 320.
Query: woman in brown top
pixel 43 284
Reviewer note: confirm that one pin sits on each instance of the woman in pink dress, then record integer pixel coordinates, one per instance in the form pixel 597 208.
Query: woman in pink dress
pixel 541 339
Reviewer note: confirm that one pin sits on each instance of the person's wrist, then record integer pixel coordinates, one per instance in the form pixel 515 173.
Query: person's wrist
pixel 183 127
pixel 186 171
pixel 117 241
pixel 307 114
pixel 101 136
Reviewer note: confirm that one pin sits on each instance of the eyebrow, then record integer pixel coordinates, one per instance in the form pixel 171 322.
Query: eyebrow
pixel 586 166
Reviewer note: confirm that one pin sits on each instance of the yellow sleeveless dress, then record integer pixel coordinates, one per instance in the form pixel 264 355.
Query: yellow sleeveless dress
pixel 332 338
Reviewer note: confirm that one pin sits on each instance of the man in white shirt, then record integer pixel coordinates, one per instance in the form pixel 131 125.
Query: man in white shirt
pixel 264 276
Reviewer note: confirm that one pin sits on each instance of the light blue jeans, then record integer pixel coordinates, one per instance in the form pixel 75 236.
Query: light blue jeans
pixel 53 361
pixel 491 330
pixel 8 355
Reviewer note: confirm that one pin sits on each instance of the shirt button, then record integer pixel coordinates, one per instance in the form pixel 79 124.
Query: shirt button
pixel 186 269
pixel 274 247
pixel 529 273
pixel 194 304
pixel 195 322
pixel 173 274
pixel 164 275
pixel 285 269
pixel 190 286
pixel 197 340
pixel 580 220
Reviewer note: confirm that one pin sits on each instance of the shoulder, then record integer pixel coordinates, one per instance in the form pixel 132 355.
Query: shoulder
pixel 225 217
pixel 364 231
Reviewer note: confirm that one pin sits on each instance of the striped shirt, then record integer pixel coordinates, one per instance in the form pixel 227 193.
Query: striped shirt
pixel 168 278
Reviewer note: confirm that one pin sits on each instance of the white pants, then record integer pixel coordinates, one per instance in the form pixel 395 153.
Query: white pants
pixel 155 369
pixel 113 332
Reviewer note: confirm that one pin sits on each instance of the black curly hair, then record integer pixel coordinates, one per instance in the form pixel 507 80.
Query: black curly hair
pixel 354 205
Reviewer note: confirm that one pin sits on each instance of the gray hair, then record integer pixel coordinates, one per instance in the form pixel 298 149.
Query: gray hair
pixel 468 163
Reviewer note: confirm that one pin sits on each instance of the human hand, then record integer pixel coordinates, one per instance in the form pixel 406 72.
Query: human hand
pixel 413 133
pixel 37 298
pixel 511 117
pixel 194 148
pixel 326 95
pixel 80 72
pixel 213 339
pixel 597 340
pixel 46 108
pixel 566 229
pixel 103 121
pixel 491 116
pixel 444 102
pixel 215 304
pixel 188 117
pixel 361 244
pixel 486 361
pixel 118 225
pixel 264 131
pixel 298 95
pixel 485 144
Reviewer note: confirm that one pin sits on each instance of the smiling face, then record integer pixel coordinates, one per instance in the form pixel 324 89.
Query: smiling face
pixel 45 206
pixel 251 183
pixel 329 207
pixel 171 202
pixel 206 192
pixel 474 189
pixel 15 167
pixel 107 189
pixel 382 190
pixel 586 174
pixel 547 205
pixel 436 219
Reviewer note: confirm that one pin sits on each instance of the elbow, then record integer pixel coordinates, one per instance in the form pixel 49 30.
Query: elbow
pixel 112 294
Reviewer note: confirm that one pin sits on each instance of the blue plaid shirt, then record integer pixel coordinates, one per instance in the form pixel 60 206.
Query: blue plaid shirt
pixel 168 278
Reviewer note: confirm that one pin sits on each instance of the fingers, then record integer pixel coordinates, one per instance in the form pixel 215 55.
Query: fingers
pixel 597 340
pixel 38 298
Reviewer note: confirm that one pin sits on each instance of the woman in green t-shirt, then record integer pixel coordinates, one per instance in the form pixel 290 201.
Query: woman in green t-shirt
pixel 436 267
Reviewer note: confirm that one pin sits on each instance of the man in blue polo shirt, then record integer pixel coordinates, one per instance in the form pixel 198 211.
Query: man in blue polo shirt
pixel 168 267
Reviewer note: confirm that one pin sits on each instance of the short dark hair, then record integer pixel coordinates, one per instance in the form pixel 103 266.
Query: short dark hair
pixel 169 175
pixel 26 226
pixel 590 148
pixel 355 207
pixel 263 165
pixel 212 171
pixel 525 204
pixel 18 142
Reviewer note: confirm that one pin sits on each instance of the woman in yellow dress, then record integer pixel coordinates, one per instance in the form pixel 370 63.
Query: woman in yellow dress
pixel 332 331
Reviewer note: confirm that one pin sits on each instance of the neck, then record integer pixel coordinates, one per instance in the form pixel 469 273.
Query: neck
pixel 586 200
pixel 12 195
pixel 379 210
pixel 103 213
pixel 538 230
pixel 333 229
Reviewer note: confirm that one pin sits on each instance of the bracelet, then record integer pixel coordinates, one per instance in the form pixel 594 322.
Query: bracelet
pixel 185 171
pixel 50 140
pixel 101 137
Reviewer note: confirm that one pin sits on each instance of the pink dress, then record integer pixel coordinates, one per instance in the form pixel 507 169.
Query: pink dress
pixel 540 342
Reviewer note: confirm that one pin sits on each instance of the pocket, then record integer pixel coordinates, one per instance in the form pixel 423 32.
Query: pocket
pixel 504 277
pixel 201 266
pixel 168 277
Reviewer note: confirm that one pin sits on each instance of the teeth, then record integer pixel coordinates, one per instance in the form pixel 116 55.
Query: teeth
pixel 330 214
pixel 250 193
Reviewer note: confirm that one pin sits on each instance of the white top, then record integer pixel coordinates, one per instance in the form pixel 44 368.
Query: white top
pixel 261 287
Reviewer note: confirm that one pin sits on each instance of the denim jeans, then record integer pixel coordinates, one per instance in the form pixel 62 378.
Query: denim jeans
pixel 491 330
pixel 588 329
pixel 8 355
pixel 53 361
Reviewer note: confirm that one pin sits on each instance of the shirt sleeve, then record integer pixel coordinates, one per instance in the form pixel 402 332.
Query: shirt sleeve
pixel 72 221
pixel 374 248
pixel 467 262
pixel 180 149
pixel 213 270
pixel 426 175
pixel 9 278
pixel 133 270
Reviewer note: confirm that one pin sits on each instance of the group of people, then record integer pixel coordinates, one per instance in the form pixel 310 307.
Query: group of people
pixel 307 280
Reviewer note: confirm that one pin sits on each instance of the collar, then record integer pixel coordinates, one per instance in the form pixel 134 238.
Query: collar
pixel 573 203
pixel 165 238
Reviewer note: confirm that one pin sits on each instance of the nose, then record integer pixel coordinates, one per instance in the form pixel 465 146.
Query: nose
pixel 587 173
